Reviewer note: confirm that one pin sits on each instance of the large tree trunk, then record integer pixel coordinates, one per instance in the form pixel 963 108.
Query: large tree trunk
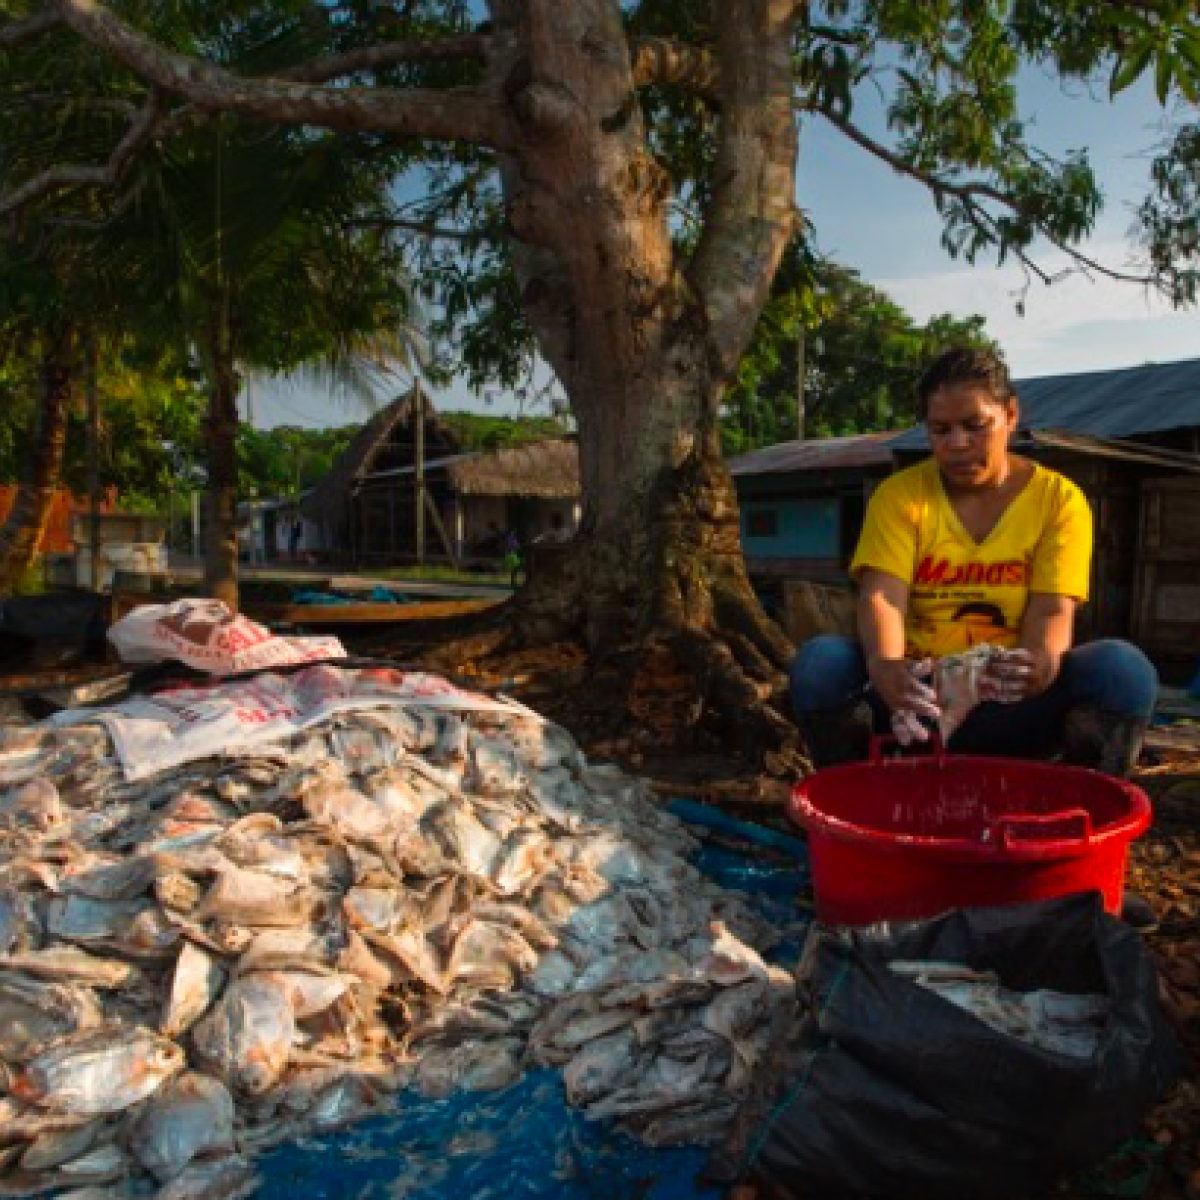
pixel 22 532
pixel 643 337
pixel 221 426
pixel 645 344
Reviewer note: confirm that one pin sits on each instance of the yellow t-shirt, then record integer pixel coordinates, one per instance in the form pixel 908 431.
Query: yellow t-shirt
pixel 963 592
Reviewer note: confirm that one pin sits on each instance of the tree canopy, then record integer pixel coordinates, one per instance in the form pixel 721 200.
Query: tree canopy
pixel 859 352
pixel 946 68
pixel 612 185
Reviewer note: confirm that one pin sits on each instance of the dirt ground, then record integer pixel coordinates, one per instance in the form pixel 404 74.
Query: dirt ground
pixel 656 729
pixel 684 757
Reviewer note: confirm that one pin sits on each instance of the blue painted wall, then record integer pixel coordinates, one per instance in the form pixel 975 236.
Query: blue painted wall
pixel 803 528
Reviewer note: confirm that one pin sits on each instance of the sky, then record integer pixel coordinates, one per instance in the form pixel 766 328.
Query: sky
pixel 885 226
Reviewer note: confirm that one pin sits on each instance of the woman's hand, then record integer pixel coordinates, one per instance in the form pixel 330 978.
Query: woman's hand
pixel 1016 675
pixel 900 684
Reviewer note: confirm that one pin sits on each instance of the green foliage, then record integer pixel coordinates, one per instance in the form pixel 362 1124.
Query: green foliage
pixel 1169 219
pixel 253 216
pixel 149 425
pixel 261 244
pixel 32 581
pixel 286 461
pixel 863 357
pixel 483 431
pixel 16 416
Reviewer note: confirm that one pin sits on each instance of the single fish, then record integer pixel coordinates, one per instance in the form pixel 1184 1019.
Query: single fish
pixel 248 1034
pixel 192 1115
pixel 101 1071
pixel 195 984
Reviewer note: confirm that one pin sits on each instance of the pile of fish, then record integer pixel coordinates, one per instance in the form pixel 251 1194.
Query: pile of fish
pixel 244 949
pixel 1065 1023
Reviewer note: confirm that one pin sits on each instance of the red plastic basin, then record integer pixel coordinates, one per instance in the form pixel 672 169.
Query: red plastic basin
pixel 911 837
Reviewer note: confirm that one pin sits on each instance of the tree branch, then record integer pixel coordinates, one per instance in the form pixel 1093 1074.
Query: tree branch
pixel 843 37
pixel 17 101
pixel 469 114
pixel 753 212
pixel 970 192
pixel 16 33
pixel 468 47
pixel 372 58
pixel 934 183
pixel 139 133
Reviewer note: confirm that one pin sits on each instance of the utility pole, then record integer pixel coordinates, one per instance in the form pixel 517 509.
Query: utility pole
pixel 801 338
pixel 419 463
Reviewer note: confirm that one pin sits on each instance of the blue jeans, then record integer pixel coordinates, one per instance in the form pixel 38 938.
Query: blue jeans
pixel 830 674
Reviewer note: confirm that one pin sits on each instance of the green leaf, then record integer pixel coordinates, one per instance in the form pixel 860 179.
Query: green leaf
pixel 1164 70
pixel 1126 71
pixel 1188 47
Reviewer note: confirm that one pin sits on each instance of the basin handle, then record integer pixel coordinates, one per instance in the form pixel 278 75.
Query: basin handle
pixel 1032 828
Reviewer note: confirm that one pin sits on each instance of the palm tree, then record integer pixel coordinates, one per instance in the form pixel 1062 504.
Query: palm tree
pixel 264 250
pixel 241 250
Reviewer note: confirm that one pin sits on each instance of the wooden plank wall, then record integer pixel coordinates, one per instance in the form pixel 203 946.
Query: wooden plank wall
pixel 1166 610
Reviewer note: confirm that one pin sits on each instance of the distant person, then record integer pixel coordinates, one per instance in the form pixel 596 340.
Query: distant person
pixel 512 563
pixel 294 535
pixel 975 545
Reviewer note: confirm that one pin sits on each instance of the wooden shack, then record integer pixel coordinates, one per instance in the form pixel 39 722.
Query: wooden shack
pixel 802 505
pixel 1115 476
pixel 531 491
pixel 407 462
pixel 802 512
pixel 1131 439
pixel 1166 577
pixel 364 511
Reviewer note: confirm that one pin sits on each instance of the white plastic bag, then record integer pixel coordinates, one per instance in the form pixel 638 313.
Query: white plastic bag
pixel 204 634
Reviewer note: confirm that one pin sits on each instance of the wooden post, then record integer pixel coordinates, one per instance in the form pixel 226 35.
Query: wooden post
pixel 195 522
pixel 419 463
pixel 440 526
pixel 93 464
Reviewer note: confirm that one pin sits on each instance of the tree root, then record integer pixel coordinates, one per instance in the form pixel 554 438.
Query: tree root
pixel 696 678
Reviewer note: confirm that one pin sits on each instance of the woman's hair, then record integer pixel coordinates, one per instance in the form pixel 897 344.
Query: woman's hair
pixel 965 364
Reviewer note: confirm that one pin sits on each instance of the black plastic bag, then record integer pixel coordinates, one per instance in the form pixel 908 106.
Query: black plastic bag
pixel 892 1090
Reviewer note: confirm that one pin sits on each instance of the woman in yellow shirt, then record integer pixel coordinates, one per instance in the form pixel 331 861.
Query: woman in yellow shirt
pixel 975 545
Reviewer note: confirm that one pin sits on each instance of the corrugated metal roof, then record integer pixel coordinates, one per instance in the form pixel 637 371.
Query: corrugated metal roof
pixel 871 449
pixel 1106 404
pixel 818 454
pixel 1081 443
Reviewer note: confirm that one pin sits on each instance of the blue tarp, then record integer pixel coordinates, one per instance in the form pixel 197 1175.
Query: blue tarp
pixel 378 595
pixel 525 1143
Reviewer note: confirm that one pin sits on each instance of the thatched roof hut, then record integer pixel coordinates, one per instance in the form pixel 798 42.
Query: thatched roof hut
pixel 384 443
pixel 544 470
pixel 370 508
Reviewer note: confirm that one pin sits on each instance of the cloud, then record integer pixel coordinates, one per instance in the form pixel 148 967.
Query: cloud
pixel 1073 324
